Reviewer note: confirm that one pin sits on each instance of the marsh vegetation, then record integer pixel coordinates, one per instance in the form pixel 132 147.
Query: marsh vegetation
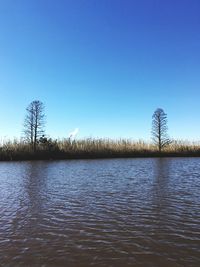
pixel 93 148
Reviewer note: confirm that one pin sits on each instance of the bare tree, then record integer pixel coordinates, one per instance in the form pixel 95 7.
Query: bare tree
pixel 159 129
pixel 34 123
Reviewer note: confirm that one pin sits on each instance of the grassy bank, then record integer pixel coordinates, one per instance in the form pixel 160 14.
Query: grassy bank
pixel 93 148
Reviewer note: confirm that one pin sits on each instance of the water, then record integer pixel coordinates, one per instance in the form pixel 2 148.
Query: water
pixel 121 212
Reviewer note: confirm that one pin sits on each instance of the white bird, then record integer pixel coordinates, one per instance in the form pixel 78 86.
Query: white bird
pixel 74 133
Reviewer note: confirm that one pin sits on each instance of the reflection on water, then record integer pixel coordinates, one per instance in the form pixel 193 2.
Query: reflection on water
pixel 121 212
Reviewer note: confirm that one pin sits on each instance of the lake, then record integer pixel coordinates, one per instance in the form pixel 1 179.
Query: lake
pixel 113 212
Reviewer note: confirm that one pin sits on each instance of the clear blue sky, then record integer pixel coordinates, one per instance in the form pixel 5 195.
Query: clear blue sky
pixel 103 66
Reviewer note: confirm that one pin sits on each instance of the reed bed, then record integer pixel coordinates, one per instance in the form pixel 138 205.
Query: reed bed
pixel 94 148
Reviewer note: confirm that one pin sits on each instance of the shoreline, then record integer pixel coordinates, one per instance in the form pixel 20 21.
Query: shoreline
pixel 89 156
pixel 94 149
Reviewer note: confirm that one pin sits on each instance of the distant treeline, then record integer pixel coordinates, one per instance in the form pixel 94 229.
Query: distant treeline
pixel 36 145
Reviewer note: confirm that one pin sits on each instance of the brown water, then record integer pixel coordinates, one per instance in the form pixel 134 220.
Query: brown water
pixel 121 212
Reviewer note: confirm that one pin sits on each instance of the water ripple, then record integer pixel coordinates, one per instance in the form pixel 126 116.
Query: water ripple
pixel 122 212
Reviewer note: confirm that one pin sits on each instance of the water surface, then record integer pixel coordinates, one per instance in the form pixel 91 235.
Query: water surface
pixel 120 212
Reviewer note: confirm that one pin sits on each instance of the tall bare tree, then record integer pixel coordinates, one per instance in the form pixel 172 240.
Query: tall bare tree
pixel 160 129
pixel 34 122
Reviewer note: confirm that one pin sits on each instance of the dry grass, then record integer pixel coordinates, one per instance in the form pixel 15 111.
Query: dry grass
pixel 94 148
pixel 104 145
